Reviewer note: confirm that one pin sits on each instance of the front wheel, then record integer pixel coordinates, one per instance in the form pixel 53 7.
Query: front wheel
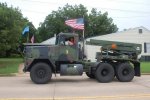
pixel 40 73
pixel 104 73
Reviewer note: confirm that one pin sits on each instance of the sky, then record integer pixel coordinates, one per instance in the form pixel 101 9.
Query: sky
pixel 125 13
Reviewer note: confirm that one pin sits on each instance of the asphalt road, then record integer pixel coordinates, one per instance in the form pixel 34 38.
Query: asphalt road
pixel 74 88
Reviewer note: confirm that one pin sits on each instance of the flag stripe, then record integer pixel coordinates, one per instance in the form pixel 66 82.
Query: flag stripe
pixel 75 23
pixel 32 39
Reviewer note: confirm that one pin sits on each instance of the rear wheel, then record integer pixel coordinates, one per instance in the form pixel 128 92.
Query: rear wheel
pixel 125 72
pixel 41 73
pixel 90 75
pixel 104 73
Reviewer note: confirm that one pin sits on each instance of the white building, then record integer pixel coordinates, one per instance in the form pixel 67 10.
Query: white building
pixel 50 41
pixel 139 35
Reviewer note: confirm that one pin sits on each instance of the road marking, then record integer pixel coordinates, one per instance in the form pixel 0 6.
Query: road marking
pixel 82 98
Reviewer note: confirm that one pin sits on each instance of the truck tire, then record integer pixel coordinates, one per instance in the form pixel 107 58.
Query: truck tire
pixel 125 72
pixel 90 75
pixel 104 73
pixel 40 73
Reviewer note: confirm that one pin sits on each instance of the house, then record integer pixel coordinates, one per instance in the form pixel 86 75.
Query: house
pixel 139 35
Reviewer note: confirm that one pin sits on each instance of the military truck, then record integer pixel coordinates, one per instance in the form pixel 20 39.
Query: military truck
pixel 114 59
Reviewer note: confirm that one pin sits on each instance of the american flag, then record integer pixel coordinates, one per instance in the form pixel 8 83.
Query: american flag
pixel 76 23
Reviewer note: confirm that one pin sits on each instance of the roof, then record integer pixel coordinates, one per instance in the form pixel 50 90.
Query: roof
pixel 135 30
pixel 68 34
pixel 131 35
pixel 36 44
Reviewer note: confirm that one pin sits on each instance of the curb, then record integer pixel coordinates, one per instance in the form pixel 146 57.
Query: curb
pixel 8 75
pixel 145 73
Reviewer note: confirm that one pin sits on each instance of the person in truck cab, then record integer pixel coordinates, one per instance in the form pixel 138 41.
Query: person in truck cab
pixel 70 41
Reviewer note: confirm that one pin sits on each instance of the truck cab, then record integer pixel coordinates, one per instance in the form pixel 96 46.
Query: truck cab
pixel 63 57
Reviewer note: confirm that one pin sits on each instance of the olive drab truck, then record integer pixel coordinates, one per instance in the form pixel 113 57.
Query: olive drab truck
pixel 114 59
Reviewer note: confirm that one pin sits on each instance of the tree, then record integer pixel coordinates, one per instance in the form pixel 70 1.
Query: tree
pixel 54 22
pixel 96 23
pixel 100 24
pixel 12 23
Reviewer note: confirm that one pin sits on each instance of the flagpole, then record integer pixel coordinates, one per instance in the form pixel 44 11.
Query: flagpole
pixel 83 45
pixel 73 30
pixel 28 37
pixel 83 40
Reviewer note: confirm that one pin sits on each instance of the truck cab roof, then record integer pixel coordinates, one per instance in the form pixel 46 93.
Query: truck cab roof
pixel 68 34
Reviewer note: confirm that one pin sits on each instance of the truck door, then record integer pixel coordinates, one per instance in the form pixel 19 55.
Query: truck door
pixel 68 48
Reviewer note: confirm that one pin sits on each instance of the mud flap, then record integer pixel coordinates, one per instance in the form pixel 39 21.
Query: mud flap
pixel 137 68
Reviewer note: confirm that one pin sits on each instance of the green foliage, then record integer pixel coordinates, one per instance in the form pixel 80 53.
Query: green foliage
pixel 54 22
pixel 100 24
pixel 12 23
pixel 96 23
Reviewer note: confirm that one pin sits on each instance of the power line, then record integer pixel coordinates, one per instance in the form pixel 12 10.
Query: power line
pixel 132 11
pixel 130 17
pixel 121 10
pixel 100 8
pixel 110 16
pixel 131 2
pixel 122 1
pixel 42 2
pixel 39 12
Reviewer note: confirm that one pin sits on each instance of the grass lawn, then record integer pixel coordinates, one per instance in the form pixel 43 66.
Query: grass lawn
pixel 9 65
pixel 145 67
